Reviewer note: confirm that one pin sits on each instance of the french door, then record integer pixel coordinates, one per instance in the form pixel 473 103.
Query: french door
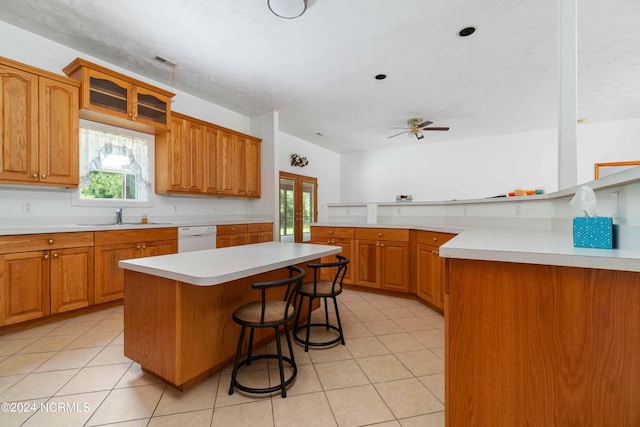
pixel 298 207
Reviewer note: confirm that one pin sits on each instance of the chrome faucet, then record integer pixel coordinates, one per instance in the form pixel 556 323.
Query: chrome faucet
pixel 119 215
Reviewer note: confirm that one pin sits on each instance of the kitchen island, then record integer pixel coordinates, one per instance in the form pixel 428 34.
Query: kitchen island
pixel 178 307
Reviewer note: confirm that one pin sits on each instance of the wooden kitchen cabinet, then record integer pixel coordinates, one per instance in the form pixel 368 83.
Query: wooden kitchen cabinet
pixel 198 157
pixel 248 167
pixel 116 99
pixel 429 267
pixel 336 236
pixel 42 274
pixel 382 258
pixel 40 126
pixel 180 157
pixel 225 164
pixel 232 235
pixel 260 232
pixel 114 246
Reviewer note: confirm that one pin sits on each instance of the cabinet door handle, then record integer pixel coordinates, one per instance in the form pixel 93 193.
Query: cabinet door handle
pixel 144 246
pixel 46 256
pixel 55 255
pixel 43 176
pixel 35 176
pixel 51 241
pixel 137 246
pixel 435 239
pixel 382 245
pixel 379 234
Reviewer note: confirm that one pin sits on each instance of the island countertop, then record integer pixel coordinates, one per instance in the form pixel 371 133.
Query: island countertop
pixel 217 266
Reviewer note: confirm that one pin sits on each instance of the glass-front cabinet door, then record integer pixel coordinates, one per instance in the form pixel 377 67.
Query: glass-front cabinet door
pixel 298 207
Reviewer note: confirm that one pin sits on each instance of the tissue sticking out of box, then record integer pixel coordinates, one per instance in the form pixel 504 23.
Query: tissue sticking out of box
pixel 584 202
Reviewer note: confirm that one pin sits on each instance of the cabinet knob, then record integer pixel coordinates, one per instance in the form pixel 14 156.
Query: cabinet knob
pixel 137 246
pixel 435 239
pixel 43 176
pixel 46 256
pixel 382 245
pixel 331 232
pixel 144 246
pixel 50 241
pixel 35 176
pixel 55 255
pixel 379 234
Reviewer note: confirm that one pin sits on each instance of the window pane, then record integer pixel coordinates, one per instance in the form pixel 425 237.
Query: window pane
pixel 130 189
pixel 104 185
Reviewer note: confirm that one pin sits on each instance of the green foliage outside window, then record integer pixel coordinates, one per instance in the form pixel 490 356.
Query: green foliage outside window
pixel 110 185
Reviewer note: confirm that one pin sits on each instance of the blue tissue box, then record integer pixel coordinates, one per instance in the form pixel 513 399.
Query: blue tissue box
pixel 593 232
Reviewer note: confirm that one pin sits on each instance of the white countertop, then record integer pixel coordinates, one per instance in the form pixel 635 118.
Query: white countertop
pixel 536 247
pixel 217 266
pixel 6 230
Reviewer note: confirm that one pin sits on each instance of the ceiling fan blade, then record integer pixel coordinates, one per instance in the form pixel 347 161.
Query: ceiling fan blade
pixel 396 127
pixel 443 128
pixel 398 134
pixel 425 123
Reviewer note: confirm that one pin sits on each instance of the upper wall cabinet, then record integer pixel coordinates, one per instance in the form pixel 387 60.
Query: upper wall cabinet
pixel 201 158
pixel 38 126
pixel 115 99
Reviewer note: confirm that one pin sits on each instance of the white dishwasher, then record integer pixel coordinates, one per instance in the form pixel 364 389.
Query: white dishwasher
pixel 197 238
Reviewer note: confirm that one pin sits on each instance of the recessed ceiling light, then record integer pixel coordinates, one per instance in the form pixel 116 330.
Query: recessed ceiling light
pixel 466 32
pixel 381 76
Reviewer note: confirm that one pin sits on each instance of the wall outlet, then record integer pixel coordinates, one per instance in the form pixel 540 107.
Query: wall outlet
pixel 26 207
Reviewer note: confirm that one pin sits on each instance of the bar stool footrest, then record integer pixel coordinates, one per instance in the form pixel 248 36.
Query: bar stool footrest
pixel 278 387
pixel 303 328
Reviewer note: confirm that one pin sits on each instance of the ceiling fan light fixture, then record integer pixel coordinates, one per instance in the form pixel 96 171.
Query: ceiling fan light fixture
pixel 287 9
pixel 419 135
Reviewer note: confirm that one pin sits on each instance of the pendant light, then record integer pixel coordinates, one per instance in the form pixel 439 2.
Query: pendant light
pixel 288 9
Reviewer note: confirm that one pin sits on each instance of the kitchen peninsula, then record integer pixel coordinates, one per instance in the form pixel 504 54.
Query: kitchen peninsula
pixel 537 331
pixel 178 307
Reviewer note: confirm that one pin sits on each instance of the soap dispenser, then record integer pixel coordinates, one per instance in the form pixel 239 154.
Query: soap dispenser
pixel 144 218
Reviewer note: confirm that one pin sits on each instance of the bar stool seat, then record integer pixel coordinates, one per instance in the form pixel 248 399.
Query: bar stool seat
pixel 268 314
pixel 321 289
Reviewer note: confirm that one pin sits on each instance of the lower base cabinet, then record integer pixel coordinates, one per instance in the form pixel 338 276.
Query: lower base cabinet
pixel 123 245
pixel 382 263
pixel 43 274
pixel 243 234
pixel 429 268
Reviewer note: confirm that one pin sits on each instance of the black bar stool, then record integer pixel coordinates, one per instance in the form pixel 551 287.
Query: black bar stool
pixel 324 290
pixel 268 314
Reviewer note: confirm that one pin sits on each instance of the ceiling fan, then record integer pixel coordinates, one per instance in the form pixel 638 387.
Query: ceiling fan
pixel 416 126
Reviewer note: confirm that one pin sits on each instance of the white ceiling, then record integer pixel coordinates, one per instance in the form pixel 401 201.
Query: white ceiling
pixel 318 70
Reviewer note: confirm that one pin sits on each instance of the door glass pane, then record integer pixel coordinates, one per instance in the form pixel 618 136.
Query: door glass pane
pixel 287 214
pixel 308 190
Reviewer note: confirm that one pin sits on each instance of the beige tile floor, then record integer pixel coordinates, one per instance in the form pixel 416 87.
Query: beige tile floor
pixel 74 373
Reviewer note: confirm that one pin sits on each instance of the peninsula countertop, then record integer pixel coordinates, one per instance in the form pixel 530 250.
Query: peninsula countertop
pixel 217 266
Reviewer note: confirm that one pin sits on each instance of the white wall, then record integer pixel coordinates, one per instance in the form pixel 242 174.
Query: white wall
pixel 481 167
pixel 463 169
pixel 54 205
pixel 323 165
pixel 606 142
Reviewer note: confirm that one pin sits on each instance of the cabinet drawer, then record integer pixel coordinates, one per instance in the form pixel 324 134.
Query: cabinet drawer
pixel 434 238
pixel 337 232
pixel 232 229
pixel 135 235
pixel 43 242
pixel 396 234
pixel 260 227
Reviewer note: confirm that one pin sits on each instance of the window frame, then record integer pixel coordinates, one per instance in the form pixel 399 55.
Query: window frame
pixel 76 200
